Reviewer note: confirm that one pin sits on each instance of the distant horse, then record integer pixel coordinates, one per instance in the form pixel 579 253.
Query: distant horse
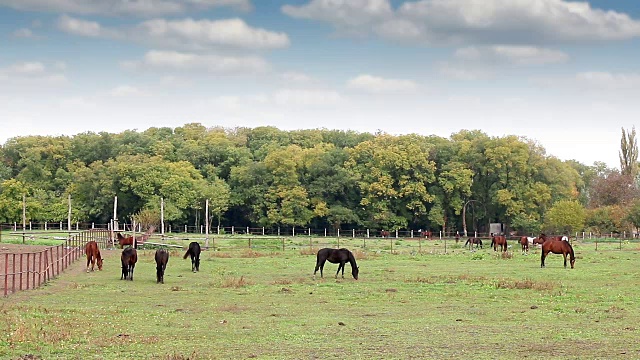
pixel 194 252
pixel 558 247
pixel 336 256
pixel 427 234
pixel 538 240
pixel 499 240
pixel 93 255
pixel 162 257
pixel 129 258
pixel 557 237
pixel 473 240
pixel 524 242
pixel 384 233
pixel 123 241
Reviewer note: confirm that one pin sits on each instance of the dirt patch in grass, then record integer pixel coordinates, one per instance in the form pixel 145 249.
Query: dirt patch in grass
pixel 235 282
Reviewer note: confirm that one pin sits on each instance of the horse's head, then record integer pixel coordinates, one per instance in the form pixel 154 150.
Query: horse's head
pixel 99 263
pixel 355 272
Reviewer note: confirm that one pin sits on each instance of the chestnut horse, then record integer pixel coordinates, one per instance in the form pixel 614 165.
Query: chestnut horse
pixel 162 258
pixel 524 242
pixel 336 256
pixel 384 234
pixel 129 258
pixel 558 247
pixel 124 240
pixel 499 240
pixel 93 255
pixel 427 234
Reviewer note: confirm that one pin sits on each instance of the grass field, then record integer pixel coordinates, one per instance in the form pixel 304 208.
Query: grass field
pixel 266 304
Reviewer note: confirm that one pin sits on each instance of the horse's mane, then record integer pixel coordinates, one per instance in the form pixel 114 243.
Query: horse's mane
pixel 571 254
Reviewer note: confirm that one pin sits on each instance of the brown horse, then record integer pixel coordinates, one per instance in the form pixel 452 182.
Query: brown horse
pixel 93 255
pixel 524 242
pixel 123 241
pixel 384 234
pixel 162 258
pixel 499 240
pixel 558 247
pixel 538 241
pixel 427 234
pixel 472 241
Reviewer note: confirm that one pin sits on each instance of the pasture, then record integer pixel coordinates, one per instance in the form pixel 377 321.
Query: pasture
pixel 265 304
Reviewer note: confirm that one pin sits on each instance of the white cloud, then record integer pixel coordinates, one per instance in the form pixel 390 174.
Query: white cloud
pixel 23 33
pixel 297 78
pixel 306 97
pixel 185 34
pixel 463 72
pixel 119 7
pixel 375 84
pixel 513 55
pixel 188 62
pixel 472 21
pixel 80 27
pixel 203 34
pixel 31 72
pixel 618 84
pixel 126 91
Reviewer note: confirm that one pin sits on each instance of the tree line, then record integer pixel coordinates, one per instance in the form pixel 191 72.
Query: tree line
pixel 319 178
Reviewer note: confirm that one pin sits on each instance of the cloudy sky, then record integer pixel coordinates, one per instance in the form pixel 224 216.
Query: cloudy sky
pixel 563 73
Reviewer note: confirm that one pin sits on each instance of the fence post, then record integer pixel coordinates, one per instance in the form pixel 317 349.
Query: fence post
pixel 13 277
pixel 33 282
pixel 28 272
pixel 6 273
pixel 367 233
pixel 282 244
pixel 353 233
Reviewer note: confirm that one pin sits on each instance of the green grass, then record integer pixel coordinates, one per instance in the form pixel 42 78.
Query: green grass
pixel 265 304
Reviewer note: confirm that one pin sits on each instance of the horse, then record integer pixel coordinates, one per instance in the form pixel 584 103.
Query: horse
pixel 336 256
pixel 538 240
pixel 194 252
pixel 558 247
pixel 162 257
pixel 129 258
pixel 499 240
pixel 427 234
pixel 473 240
pixel 129 240
pixel 524 242
pixel 93 255
pixel 384 233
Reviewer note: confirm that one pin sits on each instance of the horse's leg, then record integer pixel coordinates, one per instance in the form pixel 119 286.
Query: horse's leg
pixel 542 255
pixel 88 259
pixel 317 267
pixel 341 266
pixel 565 260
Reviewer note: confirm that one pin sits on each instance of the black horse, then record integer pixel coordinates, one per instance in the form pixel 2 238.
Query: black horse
pixel 162 258
pixel 129 258
pixel 336 256
pixel 472 241
pixel 194 252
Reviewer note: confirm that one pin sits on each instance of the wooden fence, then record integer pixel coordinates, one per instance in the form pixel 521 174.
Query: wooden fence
pixel 26 270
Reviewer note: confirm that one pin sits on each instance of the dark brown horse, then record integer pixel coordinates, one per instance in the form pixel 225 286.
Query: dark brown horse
pixel 93 255
pixel 336 256
pixel 427 234
pixel 538 240
pixel 524 242
pixel 499 240
pixel 194 252
pixel 558 247
pixel 472 241
pixel 129 258
pixel 162 258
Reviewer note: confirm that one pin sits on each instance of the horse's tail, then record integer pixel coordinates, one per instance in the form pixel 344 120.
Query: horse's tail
pixel 186 255
pixel 572 256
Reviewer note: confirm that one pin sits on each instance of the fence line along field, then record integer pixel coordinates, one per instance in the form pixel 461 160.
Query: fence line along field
pixel 264 303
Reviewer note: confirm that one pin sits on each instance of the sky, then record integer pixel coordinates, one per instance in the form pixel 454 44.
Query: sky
pixel 565 74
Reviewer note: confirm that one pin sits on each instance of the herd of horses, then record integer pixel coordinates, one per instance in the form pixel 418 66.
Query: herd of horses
pixel 129 257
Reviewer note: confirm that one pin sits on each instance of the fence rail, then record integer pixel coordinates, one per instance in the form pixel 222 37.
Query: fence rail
pixel 26 270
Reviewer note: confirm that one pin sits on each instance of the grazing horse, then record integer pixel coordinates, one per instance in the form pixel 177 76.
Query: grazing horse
pixel 336 256
pixel 194 252
pixel 129 258
pixel 129 240
pixel 384 233
pixel 524 242
pixel 558 247
pixel 162 257
pixel 473 240
pixel 93 255
pixel 499 240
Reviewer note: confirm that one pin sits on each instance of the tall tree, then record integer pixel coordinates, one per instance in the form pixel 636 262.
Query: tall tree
pixel 629 153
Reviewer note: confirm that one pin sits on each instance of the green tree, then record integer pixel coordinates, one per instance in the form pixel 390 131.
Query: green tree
pixel 629 153
pixel 565 216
